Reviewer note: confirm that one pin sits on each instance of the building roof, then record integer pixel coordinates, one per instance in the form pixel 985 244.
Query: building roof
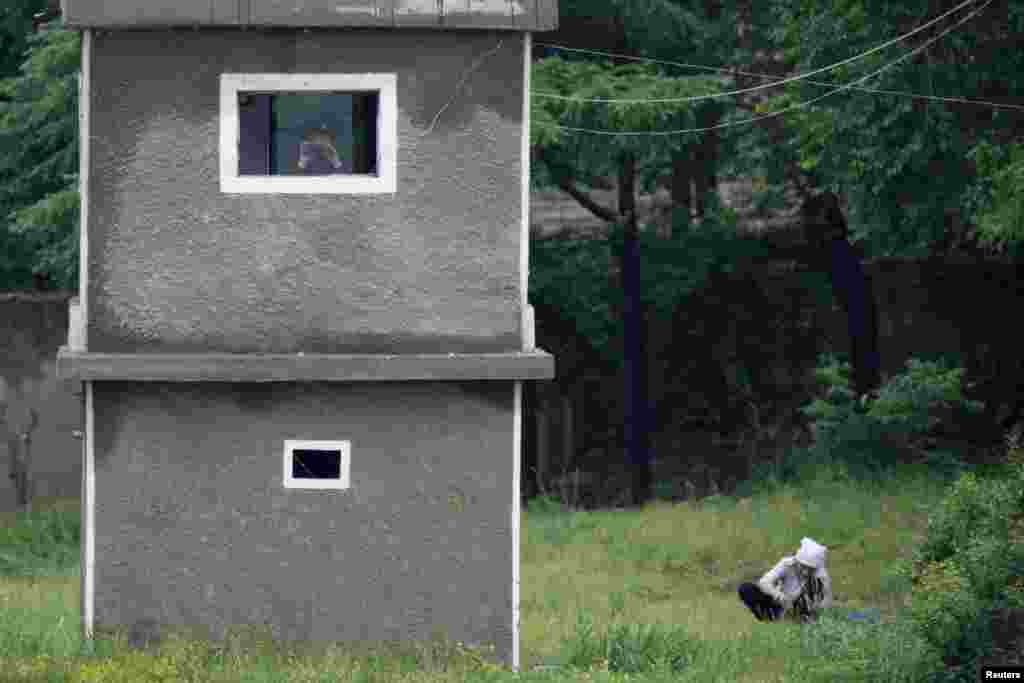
pixel 515 15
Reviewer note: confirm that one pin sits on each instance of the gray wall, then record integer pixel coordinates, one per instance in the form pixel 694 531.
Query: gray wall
pixel 176 265
pixel 522 15
pixel 194 526
pixel 32 327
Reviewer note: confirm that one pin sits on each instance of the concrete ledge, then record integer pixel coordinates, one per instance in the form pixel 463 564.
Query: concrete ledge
pixel 313 367
pixel 520 15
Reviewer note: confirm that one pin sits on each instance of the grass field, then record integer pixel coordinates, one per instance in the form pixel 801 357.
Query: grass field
pixel 645 595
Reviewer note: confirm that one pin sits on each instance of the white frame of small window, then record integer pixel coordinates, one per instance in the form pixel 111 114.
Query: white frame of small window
pixel 342 482
pixel 387 133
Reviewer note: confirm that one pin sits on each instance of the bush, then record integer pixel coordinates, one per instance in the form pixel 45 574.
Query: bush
pixel 970 565
pixel 947 613
pixel 872 437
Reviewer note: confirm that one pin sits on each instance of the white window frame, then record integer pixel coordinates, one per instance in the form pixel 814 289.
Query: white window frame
pixel 342 482
pixel 387 133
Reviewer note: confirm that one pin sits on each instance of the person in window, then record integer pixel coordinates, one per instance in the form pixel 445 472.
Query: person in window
pixel 318 155
pixel 798 586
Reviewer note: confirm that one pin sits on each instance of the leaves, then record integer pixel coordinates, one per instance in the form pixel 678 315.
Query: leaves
pixel 1001 221
pixel 900 162
pixel 39 161
pixel 578 277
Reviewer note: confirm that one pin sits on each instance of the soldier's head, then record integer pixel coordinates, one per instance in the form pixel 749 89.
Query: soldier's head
pixel 318 146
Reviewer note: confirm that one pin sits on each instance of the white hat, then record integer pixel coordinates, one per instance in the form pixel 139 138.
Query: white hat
pixel 811 554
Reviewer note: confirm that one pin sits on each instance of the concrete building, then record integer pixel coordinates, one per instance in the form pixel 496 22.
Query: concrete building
pixel 303 325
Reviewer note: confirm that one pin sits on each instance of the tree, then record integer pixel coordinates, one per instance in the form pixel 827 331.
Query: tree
pixel 575 86
pixel 39 162
pixel 826 230
pixel 904 164
pixel 661 30
pixel 16 24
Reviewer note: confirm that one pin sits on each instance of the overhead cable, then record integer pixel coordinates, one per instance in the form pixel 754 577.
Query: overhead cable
pixel 763 86
pixel 799 105
pixel 827 84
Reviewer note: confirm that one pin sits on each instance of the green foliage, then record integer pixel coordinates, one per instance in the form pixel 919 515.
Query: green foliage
pixel 908 401
pixel 585 155
pixel 629 648
pixel 585 81
pixel 970 564
pixel 50 228
pixel 900 162
pixel 575 277
pixel 946 612
pixel 1001 198
pixel 15 27
pixel 39 162
pixel 545 505
pixel 39 543
pixel 908 405
pixel 572 275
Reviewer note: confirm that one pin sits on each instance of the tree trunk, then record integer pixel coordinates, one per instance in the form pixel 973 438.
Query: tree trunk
pixel 634 368
pixel 568 446
pixel 542 468
pixel 682 177
pixel 706 158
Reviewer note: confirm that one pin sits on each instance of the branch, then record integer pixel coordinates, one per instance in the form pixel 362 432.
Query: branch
pixel 562 175
pixel 569 187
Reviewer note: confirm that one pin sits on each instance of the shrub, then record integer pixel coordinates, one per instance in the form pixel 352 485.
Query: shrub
pixel 872 437
pixel 946 612
pixel 970 565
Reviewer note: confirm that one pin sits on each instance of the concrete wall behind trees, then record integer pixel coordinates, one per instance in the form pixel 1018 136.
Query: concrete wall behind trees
pixel 33 325
pixel 757 335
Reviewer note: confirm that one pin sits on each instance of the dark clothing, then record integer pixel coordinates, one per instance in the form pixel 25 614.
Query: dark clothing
pixel 767 608
pixel 764 606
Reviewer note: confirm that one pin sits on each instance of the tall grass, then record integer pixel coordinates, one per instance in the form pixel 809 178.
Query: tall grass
pixel 646 595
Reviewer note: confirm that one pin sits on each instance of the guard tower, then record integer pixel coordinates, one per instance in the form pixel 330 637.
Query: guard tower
pixel 303 325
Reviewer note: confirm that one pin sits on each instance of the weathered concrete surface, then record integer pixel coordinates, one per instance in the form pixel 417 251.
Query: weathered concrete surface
pixel 520 15
pixel 178 265
pixel 193 526
pixel 256 367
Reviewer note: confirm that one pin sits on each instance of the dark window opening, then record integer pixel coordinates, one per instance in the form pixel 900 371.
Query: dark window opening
pixel 307 134
pixel 316 464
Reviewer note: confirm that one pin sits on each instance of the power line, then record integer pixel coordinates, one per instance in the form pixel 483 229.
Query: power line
pixel 763 86
pixel 738 72
pixel 799 105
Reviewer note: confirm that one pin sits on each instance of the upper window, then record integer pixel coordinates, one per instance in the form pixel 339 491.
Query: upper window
pixel 308 133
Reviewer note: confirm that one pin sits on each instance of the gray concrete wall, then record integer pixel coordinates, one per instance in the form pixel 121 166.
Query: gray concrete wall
pixel 522 15
pixel 32 327
pixel 177 265
pixel 193 525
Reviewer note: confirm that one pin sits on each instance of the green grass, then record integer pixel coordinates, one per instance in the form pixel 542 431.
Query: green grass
pixel 643 596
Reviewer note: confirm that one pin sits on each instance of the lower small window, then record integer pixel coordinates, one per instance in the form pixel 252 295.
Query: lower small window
pixel 316 464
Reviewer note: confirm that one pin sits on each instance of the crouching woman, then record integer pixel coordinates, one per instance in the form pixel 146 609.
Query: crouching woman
pixel 798 586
